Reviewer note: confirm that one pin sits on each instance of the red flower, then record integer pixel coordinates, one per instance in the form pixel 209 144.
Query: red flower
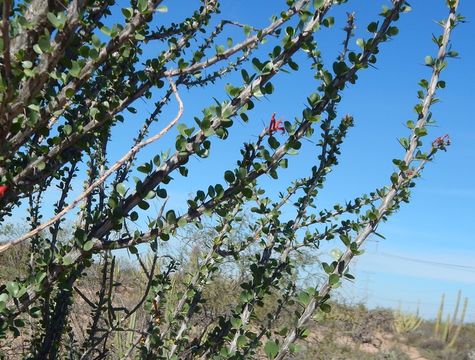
pixel 275 125
pixel 441 142
pixel 3 190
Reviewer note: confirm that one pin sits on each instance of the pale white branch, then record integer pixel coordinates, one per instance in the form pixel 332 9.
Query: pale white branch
pixel 104 177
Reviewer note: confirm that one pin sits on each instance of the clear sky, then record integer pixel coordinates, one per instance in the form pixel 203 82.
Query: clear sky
pixel 430 246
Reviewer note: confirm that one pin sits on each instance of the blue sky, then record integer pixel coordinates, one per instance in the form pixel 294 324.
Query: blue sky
pixel 436 227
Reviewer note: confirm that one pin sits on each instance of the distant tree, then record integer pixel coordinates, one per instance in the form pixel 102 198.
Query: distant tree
pixel 72 71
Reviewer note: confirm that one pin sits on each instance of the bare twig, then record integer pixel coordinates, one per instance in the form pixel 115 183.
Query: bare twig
pixel 350 26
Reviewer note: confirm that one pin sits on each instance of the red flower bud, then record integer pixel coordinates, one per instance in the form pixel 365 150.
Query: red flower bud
pixel 275 125
pixel 441 142
pixel 3 190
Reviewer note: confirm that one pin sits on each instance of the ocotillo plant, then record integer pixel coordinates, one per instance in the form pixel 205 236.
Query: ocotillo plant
pixel 78 77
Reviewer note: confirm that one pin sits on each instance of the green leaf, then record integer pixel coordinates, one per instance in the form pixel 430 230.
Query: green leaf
pixel 162 193
pixel 134 216
pixel 57 21
pixel 182 222
pixel 183 171
pixel 229 176
pixel 247 192
pixel 294 348
pixel 345 239
pixel 304 298
pixel 29 73
pixel 88 245
pixel 303 333
pixel 142 5
pixel 327 268
pixel 273 142
pixel 293 65
pixel 325 308
pixel 373 27
pixel 93 112
pixel 171 217
pixel 44 44
pixel 3 297
pixel 75 69
pixel 241 341
pixel 67 129
pixel 37 49
pixel 181 129
pixel 340 67
pixel 394 178
pixel 329 21
pixel 133 250
pixel 34 107
pixel 271 349
pixel 68 260
pixel 245 76
pixel 247 30
pixel 333 279
pixel 145 168
pixel 128 12
pixel 349 276
pixel 27 64
pixel 220 49
pixel 106 31
pixel 420 131
pixel 12 288
pixel 156 160
pixel 162 9
pixel 41 165
pixel 121 189
pixel 317 4
pixel 393 31
pixel 69 93
pixel 143 205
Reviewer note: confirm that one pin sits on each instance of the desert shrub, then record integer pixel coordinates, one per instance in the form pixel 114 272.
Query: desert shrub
pixel 78 77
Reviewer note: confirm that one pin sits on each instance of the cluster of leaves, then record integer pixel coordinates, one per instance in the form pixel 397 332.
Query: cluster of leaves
pixel 67 79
